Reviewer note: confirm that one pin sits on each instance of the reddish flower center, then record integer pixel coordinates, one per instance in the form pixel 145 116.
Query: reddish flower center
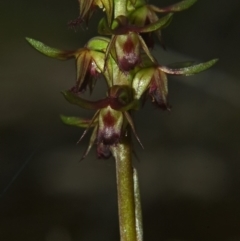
pixel 108 135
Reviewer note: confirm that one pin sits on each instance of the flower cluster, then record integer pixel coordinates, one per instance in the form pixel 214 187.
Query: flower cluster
pixel 125 61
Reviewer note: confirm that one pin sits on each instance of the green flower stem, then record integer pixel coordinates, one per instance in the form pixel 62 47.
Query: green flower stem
pixel 120 8
pixel 125 185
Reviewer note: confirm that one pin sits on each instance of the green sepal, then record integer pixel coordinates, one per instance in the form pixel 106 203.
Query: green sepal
pixel 177 7
pixel 113 74
pixel 138 16
pixel 134 4
pixel 83 62
pixel 146 49
pixel 98 43
pixel 93 122
pixel 85 8
pixel 130 122
pixel 160 90
pixel 118 26
pixel 142 80
pixel 103 27
pixel 95 105
pixel 133 105
pixel 76 100
pixel 162 22
pixel 99 59
pixel 76 121
pixel 108 5
pixel 49 51
pixel 194 69
pixel 86 60
pixel 91 142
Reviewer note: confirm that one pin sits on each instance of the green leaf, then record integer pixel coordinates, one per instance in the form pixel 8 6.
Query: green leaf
pixel 49 51
pixel 194 69
pixel 162 22
pixel 75 121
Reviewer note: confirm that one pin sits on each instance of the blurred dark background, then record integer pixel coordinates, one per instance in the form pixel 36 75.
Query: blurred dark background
pixel 189 170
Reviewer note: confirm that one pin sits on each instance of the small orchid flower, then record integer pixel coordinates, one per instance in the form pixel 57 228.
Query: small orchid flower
pixel 145 14
pixel 153 80
pixel 87 8
pixel 110 123
pixel 110 120
pixel 90 60
pixel 126 43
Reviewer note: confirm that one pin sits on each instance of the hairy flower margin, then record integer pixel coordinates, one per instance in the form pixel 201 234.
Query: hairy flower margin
pixel 125 62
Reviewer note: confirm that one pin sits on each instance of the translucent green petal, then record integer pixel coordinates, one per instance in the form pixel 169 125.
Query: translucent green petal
pixel 75 121
pixel 142 80
pixel 49 51
pixel 98 43
pixel 139 16
pixel 157 25
pixel 108 5
pixel 194 69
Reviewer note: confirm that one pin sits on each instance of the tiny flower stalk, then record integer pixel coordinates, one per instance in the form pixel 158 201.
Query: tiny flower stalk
pixel 121 55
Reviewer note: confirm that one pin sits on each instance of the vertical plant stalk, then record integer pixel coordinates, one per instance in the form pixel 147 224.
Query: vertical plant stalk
pixel 125 184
